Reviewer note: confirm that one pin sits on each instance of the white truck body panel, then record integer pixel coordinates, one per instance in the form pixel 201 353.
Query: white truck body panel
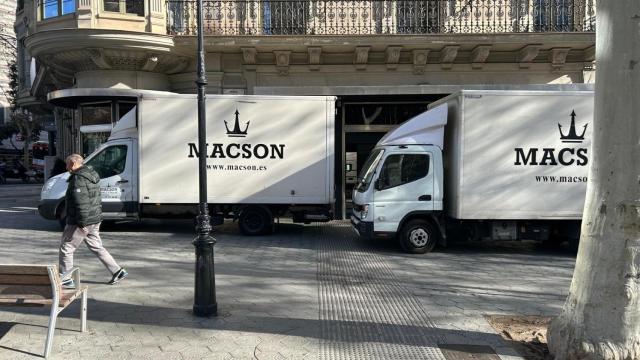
pixel 487 177
pixel 426 128
pixel 279 151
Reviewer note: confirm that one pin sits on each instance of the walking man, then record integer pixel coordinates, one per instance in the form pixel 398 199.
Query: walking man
pixel 84 215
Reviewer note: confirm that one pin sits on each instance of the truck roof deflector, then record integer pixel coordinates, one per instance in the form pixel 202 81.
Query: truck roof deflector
pixel 426 128
pixel 126 126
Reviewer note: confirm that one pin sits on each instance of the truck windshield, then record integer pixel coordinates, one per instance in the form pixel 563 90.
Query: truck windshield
pixel 368 170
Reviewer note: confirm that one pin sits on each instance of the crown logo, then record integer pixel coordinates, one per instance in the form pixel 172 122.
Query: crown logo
pixel 572 136
pixel 236 132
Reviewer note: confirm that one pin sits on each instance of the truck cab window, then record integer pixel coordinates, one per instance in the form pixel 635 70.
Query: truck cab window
pixel 110 161
pixel 401 169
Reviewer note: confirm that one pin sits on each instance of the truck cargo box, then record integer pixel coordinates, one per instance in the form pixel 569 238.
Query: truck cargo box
pixel 260 149
pixel 517 154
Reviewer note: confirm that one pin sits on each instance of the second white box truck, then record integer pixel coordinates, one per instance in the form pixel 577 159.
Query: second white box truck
pixel 266 156
pixel 480 164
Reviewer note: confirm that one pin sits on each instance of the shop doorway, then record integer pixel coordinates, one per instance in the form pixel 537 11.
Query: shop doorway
pixel 365 120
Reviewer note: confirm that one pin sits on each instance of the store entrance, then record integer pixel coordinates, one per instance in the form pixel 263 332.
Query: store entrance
pixel 365 120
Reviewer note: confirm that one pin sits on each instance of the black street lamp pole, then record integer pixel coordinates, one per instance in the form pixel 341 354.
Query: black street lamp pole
pixel 204 302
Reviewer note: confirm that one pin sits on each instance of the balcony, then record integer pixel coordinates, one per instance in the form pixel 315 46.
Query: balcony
pixel 381 17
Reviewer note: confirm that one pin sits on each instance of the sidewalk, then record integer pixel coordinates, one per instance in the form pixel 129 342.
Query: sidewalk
pixel 307 292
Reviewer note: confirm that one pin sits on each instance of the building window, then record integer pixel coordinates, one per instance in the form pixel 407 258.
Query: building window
pixel 135 7
pixel 285 17
pixel 552 15
pixel 96 114
pixel 53 8
pixel 419 17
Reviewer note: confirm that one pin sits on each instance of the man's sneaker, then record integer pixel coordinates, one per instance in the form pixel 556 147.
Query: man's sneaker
pixel 119 275
pixel 68 284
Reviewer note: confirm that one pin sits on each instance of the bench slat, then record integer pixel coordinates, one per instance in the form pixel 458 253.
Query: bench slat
pixel 66 297
pixel 24 279
pixel 12 269
pixel 25 291
pixel 25 302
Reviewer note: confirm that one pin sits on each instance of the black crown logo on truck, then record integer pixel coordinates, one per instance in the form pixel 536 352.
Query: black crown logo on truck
pixel 572 136
pixel 236 132
pixel 551 156
pixel 238 150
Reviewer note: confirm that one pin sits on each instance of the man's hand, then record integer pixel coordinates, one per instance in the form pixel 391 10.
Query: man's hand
pixel 85 229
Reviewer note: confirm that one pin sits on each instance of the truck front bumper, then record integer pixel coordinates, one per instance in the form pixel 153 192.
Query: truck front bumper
pixel 47 208
pixel 364 229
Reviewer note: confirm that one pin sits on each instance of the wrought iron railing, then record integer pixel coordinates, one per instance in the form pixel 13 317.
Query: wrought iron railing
pixel 359 17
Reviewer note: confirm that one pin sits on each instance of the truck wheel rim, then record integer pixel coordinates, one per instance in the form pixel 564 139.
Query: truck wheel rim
pixel 253 222
pixel 419 237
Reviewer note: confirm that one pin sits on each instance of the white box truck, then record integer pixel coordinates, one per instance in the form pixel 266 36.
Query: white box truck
pixel 267 156
pixel 480 164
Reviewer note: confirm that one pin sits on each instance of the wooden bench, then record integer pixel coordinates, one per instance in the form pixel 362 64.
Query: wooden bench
pixel 33 285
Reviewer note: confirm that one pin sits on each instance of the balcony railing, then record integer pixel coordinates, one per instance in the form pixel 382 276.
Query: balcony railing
pixel 404 17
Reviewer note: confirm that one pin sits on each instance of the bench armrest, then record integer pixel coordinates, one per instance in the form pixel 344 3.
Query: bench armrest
pixel 75 275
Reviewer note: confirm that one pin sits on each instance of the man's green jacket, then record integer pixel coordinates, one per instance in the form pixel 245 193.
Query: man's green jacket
pixel 83 197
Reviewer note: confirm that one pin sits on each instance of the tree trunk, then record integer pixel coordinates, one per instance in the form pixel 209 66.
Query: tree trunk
pixel 601 316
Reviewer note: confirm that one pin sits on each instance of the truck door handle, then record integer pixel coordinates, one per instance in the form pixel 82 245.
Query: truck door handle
pixel 424 198
pixel 122 181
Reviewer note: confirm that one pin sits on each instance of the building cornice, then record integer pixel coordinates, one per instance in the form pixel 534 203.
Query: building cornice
pixel 506 41
pixel 54 41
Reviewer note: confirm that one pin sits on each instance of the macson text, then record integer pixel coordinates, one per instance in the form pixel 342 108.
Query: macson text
pixel 235 151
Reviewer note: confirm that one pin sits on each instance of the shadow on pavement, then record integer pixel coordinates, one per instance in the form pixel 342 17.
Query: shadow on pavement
pixel 356 331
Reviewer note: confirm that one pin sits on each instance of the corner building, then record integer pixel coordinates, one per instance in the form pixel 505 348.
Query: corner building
pixel 385 60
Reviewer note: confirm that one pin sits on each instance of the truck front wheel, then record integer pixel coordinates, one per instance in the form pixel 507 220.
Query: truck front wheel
pixel 256 220
pixel 418 236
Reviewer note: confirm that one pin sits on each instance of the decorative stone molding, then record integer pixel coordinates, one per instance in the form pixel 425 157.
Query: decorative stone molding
pixel 98 58
pixel 361 57
pixel 420 60
pixel 527 54
pixel 249 56
pixel 181 64
pixel 282 61
pixel 447 55
pixel 392 57
pixel 558 57
pixel 479 56
pixel 314 58
pixel 151 63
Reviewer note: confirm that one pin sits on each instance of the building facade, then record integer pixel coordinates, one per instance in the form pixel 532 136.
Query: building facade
pixel 386 60
pixel 7 53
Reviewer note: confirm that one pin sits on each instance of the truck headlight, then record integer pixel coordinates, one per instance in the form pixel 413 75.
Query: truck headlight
pixel 365 211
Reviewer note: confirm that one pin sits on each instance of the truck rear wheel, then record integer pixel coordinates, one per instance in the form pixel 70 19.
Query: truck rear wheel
pixel 418 237
pixel 256 220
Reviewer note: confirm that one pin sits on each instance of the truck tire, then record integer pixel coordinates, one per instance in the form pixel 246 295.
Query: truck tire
pixel 418 236
pixel 256 220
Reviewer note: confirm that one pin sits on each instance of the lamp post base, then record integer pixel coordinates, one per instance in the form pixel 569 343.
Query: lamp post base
pixel 204 303
pixel 205 310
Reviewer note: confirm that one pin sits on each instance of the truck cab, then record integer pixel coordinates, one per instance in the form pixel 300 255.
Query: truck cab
pixel 116 162
pixel 400 188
